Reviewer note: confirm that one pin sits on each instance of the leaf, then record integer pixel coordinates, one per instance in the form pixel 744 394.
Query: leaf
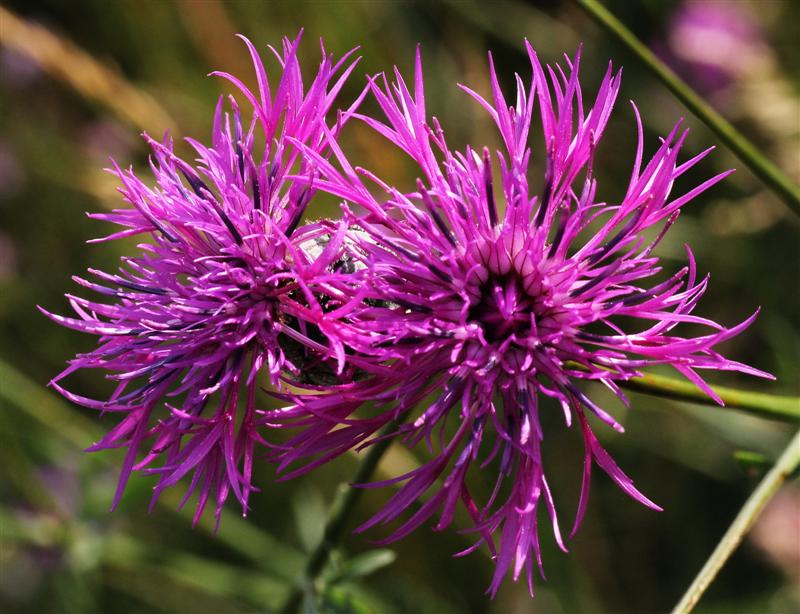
pixel 340 601
pixel 309 516
pixel 362 565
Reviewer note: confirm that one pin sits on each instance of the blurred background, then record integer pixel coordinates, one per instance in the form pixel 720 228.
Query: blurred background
pixel 80 80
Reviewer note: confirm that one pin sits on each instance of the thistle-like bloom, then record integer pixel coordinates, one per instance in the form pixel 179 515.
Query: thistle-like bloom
pixel 495 290
pixel 219 293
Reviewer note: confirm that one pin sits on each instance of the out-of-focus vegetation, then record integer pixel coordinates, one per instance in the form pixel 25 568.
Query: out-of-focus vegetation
pixel 85 77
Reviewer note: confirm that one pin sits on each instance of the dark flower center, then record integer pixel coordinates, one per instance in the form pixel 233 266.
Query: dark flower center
pixel 503 308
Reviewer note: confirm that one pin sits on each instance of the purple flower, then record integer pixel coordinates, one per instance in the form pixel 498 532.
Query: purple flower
pixel 220 292
pixel 488 291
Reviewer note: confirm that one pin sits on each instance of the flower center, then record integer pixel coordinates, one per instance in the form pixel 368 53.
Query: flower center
pixel 503 308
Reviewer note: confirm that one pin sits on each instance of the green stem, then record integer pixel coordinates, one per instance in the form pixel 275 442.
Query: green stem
pixel 343 505
pixel 784 467
pixel 748 153
pixel 763 405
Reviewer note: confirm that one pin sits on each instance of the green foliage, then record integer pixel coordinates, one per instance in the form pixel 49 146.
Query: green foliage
pixel 360 566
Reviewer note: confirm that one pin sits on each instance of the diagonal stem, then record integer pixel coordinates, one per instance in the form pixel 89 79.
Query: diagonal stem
pixel 763 168
pixel 343 505
pixel 784 467
pixel 757 403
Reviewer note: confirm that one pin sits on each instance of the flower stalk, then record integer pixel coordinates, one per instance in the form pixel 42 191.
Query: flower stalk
pixel 762 405
pixel 344 504
pixel 772 176
pixel 751 510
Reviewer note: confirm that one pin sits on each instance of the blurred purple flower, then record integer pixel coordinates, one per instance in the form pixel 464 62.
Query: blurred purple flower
pixel 777 532
pixel 18 70
pixel 714 43
pixel 198 314
pixel 104 138
pixel 8 258
pixel 12 174
pixel 493 300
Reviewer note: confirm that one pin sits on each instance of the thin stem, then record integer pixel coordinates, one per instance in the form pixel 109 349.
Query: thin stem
pixel 343 505
pixel 772 406
pixel 784 467
pixel 748 153
pixel 763 405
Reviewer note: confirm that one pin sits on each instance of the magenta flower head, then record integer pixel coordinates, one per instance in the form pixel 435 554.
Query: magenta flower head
pixel 220 292
pixel 490 290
